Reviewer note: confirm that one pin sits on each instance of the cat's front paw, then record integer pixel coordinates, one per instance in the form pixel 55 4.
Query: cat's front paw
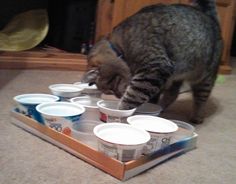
pixel 125 106
pixel 197 120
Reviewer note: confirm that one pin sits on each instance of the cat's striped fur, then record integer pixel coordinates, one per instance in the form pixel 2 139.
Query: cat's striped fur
pixel 155 50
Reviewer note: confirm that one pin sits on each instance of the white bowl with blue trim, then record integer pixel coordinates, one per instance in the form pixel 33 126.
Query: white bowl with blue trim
pixel 65 91
pixel 121 141
pixel 161 130
pixel 60 116
pixel 26 104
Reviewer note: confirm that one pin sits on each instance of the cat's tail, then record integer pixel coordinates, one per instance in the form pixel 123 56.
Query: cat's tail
pixel 208 7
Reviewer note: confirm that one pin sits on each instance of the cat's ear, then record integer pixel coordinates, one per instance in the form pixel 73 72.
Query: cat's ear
pixel 90 77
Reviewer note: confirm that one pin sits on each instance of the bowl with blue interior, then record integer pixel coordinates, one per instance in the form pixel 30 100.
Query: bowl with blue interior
pixel 60 116
pixel 26 104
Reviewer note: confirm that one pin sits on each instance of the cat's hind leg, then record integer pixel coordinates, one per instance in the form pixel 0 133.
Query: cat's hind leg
pixel 170 94
pixel 201 92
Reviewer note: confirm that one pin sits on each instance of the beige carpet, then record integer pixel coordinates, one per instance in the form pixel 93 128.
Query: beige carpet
pixel 26 159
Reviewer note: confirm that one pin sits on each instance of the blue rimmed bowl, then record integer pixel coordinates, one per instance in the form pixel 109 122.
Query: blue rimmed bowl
pixel 26 104
pixel 60 116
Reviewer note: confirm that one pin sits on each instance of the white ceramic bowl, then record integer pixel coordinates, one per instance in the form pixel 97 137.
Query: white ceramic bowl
pixel 90 105
pixel 26 104
pixel 65 91
pixel 110 112
pixel 90 90
pixel 60 115
pixel 161 130
pixel 84 132
pixel 121 141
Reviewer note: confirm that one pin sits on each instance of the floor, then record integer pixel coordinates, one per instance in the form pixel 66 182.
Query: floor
pixel 26 159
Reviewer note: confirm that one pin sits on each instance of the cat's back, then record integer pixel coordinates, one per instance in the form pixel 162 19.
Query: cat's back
pixel 178 14
pixel 180 29
pixel 177 24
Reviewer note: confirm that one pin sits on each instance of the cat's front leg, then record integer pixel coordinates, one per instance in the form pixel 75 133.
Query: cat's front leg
pixel 143 87
pixel 132 99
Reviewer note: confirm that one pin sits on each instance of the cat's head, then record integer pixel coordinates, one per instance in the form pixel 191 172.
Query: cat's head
pixel 109 72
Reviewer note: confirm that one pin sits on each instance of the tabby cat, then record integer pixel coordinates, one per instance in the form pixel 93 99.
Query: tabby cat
pixel 152 52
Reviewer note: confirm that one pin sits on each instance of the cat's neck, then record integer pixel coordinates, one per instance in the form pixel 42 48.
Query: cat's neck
pixel 116 44
pixel 117 50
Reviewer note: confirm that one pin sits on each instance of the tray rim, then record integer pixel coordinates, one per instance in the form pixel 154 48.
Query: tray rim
pixel 116 168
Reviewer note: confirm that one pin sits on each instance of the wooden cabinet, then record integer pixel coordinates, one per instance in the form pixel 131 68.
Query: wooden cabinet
pixel 227 14
pixel 112 12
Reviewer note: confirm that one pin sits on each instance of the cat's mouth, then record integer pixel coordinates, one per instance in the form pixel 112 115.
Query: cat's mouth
pixel 112 85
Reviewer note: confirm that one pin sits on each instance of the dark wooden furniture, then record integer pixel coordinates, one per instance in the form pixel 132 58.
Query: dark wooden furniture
pixel 109 14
